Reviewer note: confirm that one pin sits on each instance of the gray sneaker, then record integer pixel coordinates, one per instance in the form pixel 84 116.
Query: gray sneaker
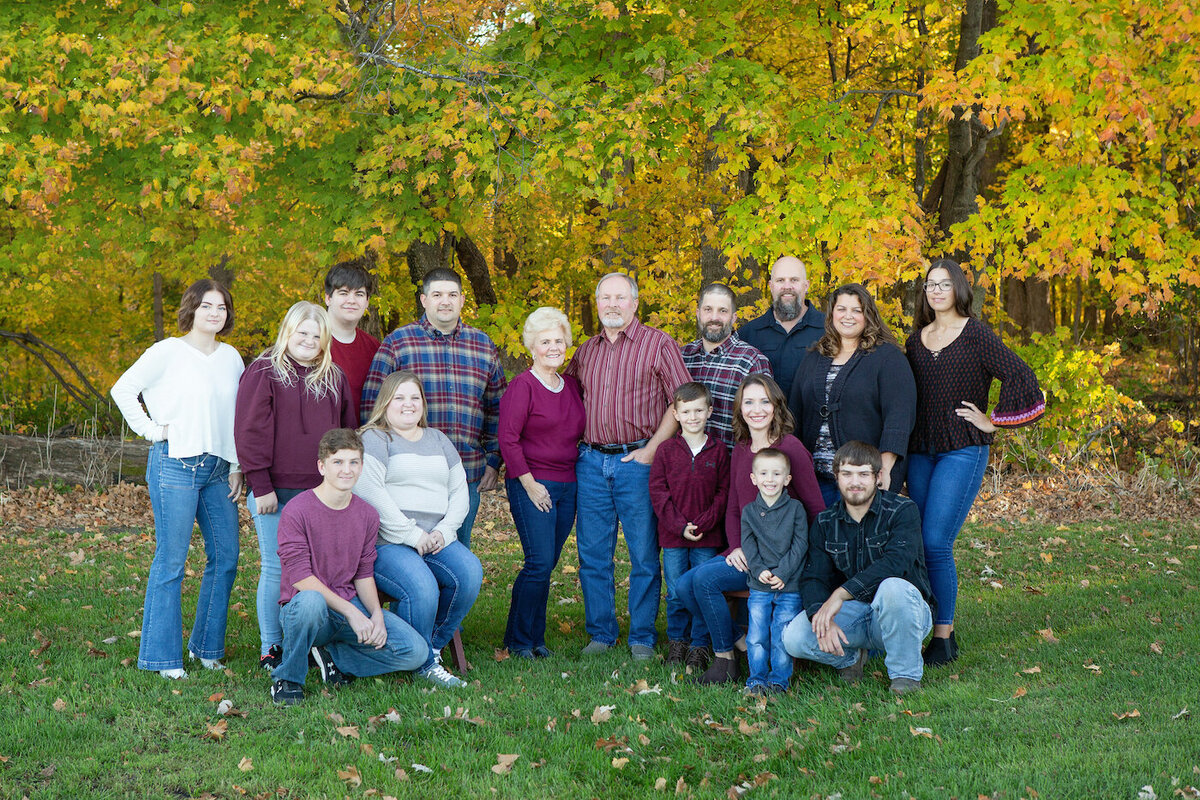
pixel 438 675
pixel 595 648
pixel 641 652
pixel 904 685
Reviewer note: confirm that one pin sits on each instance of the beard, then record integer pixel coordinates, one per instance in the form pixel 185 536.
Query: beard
pixel 788 307
pixel 715 334
pixel 614 321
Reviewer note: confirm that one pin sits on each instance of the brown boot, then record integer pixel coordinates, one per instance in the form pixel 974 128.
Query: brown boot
pixel 721 670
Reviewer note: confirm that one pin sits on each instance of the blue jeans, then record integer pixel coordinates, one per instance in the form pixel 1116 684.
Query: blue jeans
pixel 612 491
pixel 183 492
pixel 431 593
pixel 543 534
pixel 702 591
pixel 829 489
pixel 952 481
pixel 464 531
pixel 308 622
pixel 270 571
pixel 675 562
pixel 770 612
pixel 896 622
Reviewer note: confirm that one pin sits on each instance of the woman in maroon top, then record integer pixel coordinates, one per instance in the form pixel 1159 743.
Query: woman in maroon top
pixel 954 358
pixel 541 421
pixel 287 399
pixel 760 419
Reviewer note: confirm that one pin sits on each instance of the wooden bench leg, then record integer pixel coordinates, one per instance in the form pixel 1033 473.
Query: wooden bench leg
pixel 457 655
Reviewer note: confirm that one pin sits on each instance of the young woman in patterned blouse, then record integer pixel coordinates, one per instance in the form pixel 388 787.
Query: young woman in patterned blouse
pixel 954 359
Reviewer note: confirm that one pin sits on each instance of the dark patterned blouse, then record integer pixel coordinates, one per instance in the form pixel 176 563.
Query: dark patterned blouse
pixel 964 370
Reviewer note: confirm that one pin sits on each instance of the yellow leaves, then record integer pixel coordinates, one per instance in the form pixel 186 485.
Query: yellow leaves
pixel 620 762
pixel 216 730
pixel 1020 692
pixel 350 775
pixel 1132 714
pixel 245 765
pixel 607 10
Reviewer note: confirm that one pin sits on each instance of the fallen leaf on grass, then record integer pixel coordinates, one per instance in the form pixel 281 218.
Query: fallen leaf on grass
pixel 59 705
pixel 613 743
pixel 386 759
pixel 619 763
pixel 349 731
pixel 602 714
pixel 500 654
pixel 1156 647
pixel 564 627
pixel 421 768
pixel 1047 557
pixel 401 775
pixel 216 730
pixel 1128 714
pixel 660 784
pixel 926 732
pixel 569 570
pixel 643 740
pixel 915 714
pixel 216 697
pixel 1020 692
pixel 749 730
pixel 504 763
pixel 1093 667
pixel 1048 635
pixel 681 786
pixel 245 765
pixel 336 718
pixel 350 775
pixel 392 716
pixel 1032 670
pixel 134 634
pixel 1147 793
pixel 111 640
pixel 1183 714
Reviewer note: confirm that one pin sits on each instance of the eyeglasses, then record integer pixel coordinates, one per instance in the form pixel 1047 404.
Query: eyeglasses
pixel 938 286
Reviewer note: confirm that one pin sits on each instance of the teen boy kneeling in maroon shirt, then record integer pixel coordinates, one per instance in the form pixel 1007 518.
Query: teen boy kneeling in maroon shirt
pixel 330 605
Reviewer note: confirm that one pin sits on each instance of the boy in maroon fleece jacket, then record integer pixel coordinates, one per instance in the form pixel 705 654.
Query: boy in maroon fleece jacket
pixel 689 484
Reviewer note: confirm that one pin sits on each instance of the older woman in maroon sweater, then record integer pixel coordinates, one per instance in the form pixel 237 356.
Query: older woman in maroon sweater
pixel 541 421
pixel 760 419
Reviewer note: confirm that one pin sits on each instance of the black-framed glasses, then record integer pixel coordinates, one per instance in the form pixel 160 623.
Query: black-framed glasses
pixel 938 286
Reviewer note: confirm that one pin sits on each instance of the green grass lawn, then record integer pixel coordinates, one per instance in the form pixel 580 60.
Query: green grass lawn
pixel 1080 654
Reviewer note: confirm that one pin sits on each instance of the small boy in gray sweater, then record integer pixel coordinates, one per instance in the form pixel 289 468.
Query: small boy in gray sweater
pixel 775 543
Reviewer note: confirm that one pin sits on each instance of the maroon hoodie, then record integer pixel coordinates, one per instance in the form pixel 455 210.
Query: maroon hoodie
pixel 276 428
pixel 684 489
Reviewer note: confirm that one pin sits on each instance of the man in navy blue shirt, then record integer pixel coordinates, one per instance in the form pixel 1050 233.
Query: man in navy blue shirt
pixel 785 332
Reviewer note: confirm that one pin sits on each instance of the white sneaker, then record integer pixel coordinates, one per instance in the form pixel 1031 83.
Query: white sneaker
pixel 176 674
pixel 438 675
pixel 207 663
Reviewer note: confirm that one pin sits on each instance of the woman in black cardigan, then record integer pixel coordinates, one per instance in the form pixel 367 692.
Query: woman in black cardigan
pixel 854 385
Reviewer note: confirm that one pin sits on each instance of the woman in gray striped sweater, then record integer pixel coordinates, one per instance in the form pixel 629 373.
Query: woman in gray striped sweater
pixel 414 478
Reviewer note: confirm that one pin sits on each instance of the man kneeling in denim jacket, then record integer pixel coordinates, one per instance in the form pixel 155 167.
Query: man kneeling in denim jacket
pixel 865 586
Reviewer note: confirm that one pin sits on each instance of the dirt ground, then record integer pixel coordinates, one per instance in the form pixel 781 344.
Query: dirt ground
pixel 1060 499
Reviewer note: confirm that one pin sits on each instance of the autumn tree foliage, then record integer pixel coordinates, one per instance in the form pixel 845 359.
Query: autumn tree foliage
pixel 1050 145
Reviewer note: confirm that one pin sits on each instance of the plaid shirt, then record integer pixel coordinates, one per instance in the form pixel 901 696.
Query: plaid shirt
pixel 463 383
pixel 722 371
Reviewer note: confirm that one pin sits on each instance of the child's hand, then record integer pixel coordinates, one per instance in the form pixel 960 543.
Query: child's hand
pixel 690 533
pixel 770 579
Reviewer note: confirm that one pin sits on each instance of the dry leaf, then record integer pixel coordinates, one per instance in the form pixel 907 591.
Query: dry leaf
pixel 216 698
pixel 681 786
pixel 619 763
pixel 504 763
pixel 350 775
pixel 643 740
pixel 747 729
pixel 421 768
pixel 564 627
pixel 401 775
pixel 926 732
pixel 1183 714
pixel 1020 692
pixel 1156 647
pixel 245 765
pixel 660 784
pixel 602 714
pixel 1093 667
pixel 500 654
pixel 336 718
pixel 1048 635
pixel 1128 714
pixel 216 730
pixel 1032 670
pixel 224 707
pixel 349 731
pixel 59 705
pixel 569 570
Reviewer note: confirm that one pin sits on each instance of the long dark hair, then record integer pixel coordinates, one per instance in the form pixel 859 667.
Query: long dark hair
pixel 782 422
pixel 875 330
pixel 962 293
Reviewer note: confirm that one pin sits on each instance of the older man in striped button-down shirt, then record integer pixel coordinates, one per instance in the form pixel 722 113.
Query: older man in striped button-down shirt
pixel 628 374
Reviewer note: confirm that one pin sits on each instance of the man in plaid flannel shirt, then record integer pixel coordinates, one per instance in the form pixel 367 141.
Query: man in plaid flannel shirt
pixel 463 379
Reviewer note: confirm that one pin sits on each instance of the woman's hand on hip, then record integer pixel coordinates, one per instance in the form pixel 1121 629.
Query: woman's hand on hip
pixel 971 413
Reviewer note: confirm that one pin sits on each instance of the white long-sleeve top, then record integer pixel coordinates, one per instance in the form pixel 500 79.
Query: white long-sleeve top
pixel 192 393
pixel 415 486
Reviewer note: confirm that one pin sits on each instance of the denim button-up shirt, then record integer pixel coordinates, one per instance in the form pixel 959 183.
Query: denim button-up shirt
pixel 858 556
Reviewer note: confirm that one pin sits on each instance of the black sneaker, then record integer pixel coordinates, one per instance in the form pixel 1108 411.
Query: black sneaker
pixel 541 651
pixel 287 693
pixel 332 676
pixel 677 652
pixel 697 660
pixel 272 658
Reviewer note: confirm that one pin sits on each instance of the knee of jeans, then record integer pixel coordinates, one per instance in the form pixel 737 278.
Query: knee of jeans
pixel 798 635
pixel 306 605
pixel 892 591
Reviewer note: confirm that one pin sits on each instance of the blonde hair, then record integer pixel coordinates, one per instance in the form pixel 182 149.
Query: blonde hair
pixel 387 390
pixel 543 319
pixel 323 379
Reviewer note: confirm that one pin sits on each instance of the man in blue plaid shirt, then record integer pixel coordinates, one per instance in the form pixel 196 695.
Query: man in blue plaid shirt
pixel 463 379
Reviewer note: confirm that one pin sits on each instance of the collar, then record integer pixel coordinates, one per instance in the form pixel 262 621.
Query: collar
pixel 632 331
pixel 434 333
pixel 840 508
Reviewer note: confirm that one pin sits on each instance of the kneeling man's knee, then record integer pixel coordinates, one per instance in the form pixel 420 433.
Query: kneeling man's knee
pixel 893 591
pixel 798 637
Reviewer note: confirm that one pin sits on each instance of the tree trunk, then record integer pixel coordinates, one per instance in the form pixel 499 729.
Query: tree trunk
pixel 160 332
pixel 471 259
pixel 1027 303
pixel 422 257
